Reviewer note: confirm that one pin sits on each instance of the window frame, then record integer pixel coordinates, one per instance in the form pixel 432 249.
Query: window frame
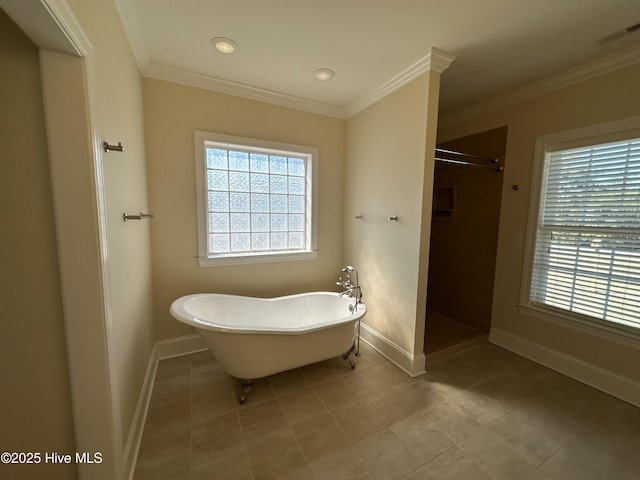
pixel 628 128
pixel 205 258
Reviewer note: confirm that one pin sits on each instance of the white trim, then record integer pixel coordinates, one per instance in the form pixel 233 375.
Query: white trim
pixel 311 157
pixel 584 72
pixel 65 20
pixel 94 389
pixel 246 259
pixel 599 328
pixel 606 381
pixel 191 79
pixel 532 217
pixel 436 60
pixel 413 365
pixel 50 24
pixel 134 438
pixel 438 63
pixel 175 347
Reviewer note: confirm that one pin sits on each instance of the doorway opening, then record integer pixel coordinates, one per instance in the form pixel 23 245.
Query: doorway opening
pixel 467 194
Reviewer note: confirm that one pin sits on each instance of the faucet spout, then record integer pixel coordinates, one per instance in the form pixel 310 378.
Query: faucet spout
pixel 350 288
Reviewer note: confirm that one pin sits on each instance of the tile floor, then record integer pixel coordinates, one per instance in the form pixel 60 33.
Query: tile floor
pixel 484 414
pixel 443 332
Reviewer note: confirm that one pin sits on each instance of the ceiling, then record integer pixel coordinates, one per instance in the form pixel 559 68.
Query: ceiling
pixel 499 45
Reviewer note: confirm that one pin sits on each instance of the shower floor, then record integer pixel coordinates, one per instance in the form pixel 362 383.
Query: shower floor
pixel 445 336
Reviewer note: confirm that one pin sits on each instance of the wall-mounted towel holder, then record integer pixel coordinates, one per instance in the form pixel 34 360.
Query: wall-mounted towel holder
pixel 112 148
pixel 361 217
pixel 140 216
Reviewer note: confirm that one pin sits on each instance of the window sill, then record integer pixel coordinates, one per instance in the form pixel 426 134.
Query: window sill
pixel 612 332
pixel 244 259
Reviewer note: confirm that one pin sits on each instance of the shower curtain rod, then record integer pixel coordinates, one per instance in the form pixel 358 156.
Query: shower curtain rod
pixel 493 161
pixel 497 168
pixel 469 155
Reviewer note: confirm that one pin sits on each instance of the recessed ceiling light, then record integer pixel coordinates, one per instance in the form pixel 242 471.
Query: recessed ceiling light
pixel 324 74
pixel 224 45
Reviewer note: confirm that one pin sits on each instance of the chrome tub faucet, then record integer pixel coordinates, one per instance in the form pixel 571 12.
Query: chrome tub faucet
pixel 350 288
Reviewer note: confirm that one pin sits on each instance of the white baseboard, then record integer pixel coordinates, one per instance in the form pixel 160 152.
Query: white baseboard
pixel 413 365
pixel 134 438
pixel 604 380
pixel 164 349
pixel 175 347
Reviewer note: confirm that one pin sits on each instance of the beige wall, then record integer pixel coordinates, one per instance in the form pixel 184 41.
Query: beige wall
pixel 35 404
pixel 172 113
pixel 116 89
pixel 604 98
pixel 388 173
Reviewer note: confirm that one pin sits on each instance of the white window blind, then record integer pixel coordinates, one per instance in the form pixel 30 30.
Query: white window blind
pixel 587 249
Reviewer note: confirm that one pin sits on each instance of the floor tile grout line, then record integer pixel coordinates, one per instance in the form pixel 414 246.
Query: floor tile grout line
pixel 578 424
pixel 440 455
pixel 351 442
pixel 487 427
pixel 244 443
pixel 244 440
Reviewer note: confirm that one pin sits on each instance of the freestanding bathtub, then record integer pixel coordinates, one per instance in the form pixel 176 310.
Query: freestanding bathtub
pixel 252 337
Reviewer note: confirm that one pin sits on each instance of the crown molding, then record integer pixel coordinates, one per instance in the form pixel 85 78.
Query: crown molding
pixel 184 77
pixel 584 72
pixel 436 60
pixel 439 60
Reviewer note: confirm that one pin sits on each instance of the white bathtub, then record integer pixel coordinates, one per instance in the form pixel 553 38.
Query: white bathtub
pixel 254 337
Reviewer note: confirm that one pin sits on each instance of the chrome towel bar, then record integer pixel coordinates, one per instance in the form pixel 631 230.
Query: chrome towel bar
pixel 390 219
pixel 112 148
pixel 140 216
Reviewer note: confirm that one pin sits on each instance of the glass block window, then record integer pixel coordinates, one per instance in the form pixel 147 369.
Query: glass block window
pixel 258 197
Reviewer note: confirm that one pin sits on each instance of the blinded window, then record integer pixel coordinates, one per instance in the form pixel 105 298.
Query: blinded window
pixel 587 248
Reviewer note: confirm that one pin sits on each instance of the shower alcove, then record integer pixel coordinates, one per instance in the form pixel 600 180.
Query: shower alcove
pixel 467 193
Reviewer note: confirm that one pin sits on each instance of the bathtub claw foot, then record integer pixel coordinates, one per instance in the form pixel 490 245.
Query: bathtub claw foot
pixel 246 388
pixel 345 356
